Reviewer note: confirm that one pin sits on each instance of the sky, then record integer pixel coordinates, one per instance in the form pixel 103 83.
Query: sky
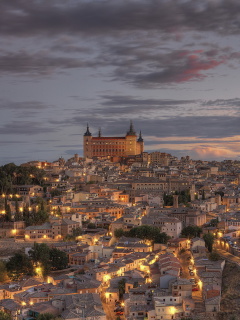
pixel 170 66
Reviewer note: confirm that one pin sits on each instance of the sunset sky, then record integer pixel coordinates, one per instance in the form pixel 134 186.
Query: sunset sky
pixel 170 66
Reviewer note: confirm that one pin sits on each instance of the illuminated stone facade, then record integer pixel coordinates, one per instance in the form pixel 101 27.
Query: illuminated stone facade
pixel 112 146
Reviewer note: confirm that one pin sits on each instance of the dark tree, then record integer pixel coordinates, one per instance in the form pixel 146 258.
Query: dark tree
pixel 58 258
pixel 40 255
pixel 191 231
pixel 118 233
pixel 5 316
pixel 19 265
pixel 209 240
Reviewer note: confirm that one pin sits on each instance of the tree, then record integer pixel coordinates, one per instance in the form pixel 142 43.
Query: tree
pixel 91 225
pixel 40 255
pixel 118 233
pixel 3 272
pixel 47 316
pixel 121 288
pixel 8 213
pixel 191 231
pixel 5 316
pixel 214 256
pixel 167 199
pixel 58 258
pixel 19 265
pixel 209 240
pixel 18 215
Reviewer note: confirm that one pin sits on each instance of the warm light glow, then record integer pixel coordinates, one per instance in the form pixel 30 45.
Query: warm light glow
pixel 21 209
pixel 3 211
pixel 14 231
pixel 23 303
pixel 172 310
pixel 200 284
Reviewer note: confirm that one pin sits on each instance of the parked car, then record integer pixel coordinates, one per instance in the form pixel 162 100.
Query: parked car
pixel 195 288
pixel 192 280
pixel 119 313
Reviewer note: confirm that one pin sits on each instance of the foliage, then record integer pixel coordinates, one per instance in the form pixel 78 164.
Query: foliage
pixel 167 199
pixel 55 193
pixel 35 216
pixel 214 256
pixel 213 222
pixel 121 288
pixel 8 214
pixel 11 174
pixel 77 232
pixel 46 316
pixel 58 258
pixel 182 251
pixel 209 240
pixel 118 233
pixel 19 265
pixel 183 197
pixel 191 231
pixel 144 232
pixel 4 315
pixel 91 225
pixel 40 254
pixel 3 272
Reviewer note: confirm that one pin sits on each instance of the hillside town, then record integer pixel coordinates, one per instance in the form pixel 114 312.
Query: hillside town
pixel 144 236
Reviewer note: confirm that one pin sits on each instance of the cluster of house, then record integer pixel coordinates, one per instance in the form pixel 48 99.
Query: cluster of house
pixel 114 196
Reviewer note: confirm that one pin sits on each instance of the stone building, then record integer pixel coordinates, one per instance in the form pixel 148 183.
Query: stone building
pixel 112 146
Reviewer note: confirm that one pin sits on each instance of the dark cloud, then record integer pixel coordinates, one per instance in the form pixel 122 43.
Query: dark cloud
pixel 134 101
pixel 22 17
pixel 222 102
pixel 40 63
pixel 25 128
pixel 23 105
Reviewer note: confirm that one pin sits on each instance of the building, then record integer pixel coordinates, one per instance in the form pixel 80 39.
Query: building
pixel 112 146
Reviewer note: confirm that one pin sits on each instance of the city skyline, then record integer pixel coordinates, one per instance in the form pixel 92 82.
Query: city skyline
pixel 169 66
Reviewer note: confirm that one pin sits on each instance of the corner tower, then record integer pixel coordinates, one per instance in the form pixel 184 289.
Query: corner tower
pixel 131 141
pixel 87 144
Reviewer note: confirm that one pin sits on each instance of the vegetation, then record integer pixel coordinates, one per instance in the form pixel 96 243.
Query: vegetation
pixel 209 240
pixel 40 257
pixel 121 288
pixel 213 222
pixel 11 174
pixel 144 232
pixel 3 272
pixel 191 231
pixel 20 264
pixel 47 316
pixel 48 259
pixel 214 256
pixel 183 197
pixel 4 316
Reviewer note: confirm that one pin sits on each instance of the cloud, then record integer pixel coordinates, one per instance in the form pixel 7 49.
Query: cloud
pixel 23 105
pixel 25 128
pixel 39 63
pixel 21 17
pixel 209 152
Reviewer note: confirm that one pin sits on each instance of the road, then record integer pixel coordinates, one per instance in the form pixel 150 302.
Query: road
pixel 228 256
